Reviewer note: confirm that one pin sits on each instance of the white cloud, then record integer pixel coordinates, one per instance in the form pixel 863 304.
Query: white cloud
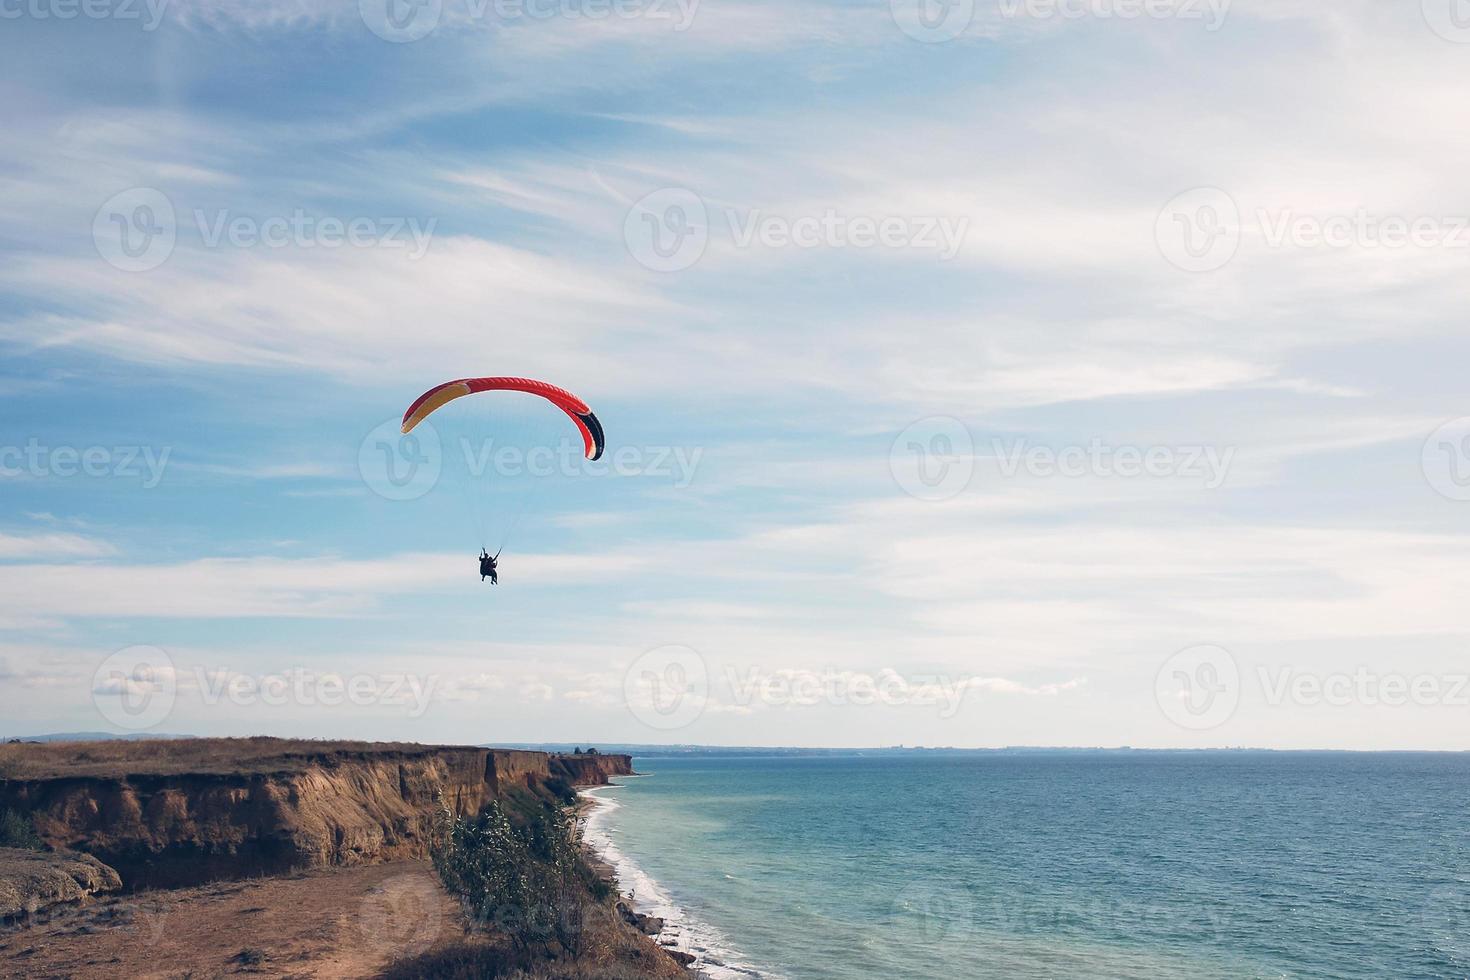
pixel 255 587
pixel 52 546
pixel 343 312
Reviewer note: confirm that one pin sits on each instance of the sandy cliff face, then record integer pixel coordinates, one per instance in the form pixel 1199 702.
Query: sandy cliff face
pixel 508 767
pixel 304 809
pixel 591 770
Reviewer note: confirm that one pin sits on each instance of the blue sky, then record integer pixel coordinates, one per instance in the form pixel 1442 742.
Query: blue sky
pixel 1034 311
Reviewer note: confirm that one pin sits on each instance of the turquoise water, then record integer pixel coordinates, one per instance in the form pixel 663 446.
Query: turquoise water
pixel 1056 864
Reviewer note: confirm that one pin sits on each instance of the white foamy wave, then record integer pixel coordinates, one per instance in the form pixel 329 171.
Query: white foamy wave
pixel 714 955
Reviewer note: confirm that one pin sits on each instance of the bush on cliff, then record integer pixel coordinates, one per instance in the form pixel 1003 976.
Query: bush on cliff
pixel 561 789
pixel 525 879
pixel 16 830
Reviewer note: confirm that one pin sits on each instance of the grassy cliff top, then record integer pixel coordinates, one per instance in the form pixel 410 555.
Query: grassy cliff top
pixel 213 756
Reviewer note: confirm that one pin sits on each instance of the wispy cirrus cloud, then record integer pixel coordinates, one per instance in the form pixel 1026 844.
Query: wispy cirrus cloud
pixel 1059 321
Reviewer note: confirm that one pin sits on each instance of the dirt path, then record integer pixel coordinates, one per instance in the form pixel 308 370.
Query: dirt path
pixel 332 923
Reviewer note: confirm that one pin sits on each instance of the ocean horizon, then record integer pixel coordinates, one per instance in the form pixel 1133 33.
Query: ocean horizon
pixel 1223 863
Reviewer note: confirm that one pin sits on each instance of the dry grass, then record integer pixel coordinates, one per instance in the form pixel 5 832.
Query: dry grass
pixel 472 963
pixel 169 757
pixel 613 951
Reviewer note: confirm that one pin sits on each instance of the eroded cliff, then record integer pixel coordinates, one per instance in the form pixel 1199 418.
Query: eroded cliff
pixel 591 770
pixel 182 812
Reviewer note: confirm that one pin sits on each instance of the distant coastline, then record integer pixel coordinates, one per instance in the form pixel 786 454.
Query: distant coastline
pixel 679 750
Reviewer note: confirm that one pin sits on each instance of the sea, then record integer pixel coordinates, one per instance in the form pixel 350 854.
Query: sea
pixel 1022 864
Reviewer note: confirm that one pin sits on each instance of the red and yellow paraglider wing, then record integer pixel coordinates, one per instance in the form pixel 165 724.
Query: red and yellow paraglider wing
pixel 577 410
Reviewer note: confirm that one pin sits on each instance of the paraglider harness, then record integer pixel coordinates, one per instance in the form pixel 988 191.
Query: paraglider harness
pixel 487 566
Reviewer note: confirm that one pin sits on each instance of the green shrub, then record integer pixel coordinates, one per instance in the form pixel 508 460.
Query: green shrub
pixel 527 879
pixel 561 789
pixel 16 830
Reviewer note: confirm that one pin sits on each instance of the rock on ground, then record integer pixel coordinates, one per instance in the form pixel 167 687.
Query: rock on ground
pixel 31 881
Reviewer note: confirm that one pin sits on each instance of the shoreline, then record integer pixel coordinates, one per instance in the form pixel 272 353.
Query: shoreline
pixel 715 958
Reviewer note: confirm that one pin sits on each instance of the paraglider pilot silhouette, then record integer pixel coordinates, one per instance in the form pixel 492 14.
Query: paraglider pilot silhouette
pixel 590 429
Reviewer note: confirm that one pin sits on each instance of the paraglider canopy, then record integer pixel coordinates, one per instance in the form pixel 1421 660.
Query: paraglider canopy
pixel 576 409
pixel 503 450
